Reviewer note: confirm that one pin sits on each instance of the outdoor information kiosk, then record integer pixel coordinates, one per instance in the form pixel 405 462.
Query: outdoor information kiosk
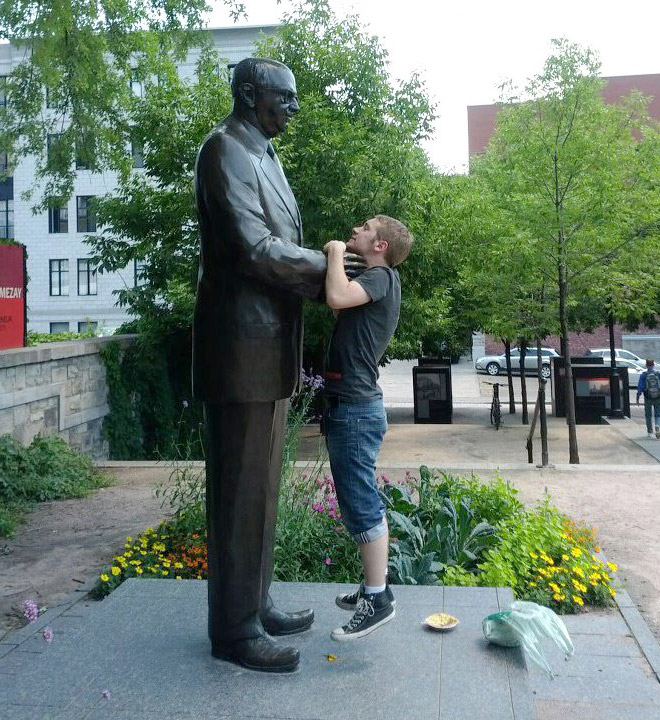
pixel 592 387
pixel 432 390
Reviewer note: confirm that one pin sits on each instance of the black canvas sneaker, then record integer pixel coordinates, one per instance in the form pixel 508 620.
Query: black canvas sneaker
pixel 371 612
pixel 349 601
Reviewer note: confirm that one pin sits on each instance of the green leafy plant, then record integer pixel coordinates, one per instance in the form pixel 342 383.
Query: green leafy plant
pixel 46 470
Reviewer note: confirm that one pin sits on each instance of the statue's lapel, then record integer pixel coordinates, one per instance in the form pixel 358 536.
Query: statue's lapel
pixel 273 171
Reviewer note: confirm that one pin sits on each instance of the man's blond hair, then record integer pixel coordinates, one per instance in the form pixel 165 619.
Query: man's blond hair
pixel 398 238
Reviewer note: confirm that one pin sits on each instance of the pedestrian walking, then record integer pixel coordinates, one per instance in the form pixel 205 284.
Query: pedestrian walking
pixel 649 386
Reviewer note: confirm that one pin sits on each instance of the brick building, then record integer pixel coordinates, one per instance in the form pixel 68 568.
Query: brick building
pixel 481 125
pixel 65 294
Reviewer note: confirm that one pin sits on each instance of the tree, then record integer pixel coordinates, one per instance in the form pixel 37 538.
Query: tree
pixel 79 59
pixel 565 167
pixel 352 153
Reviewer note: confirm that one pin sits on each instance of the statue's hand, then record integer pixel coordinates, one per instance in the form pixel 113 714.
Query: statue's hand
pixel 354 265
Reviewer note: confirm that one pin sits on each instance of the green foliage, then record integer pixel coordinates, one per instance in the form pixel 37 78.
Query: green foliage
pixel 151 412
pixel 35 338
pixel 81 57
pixel 432 534
pixel 46 470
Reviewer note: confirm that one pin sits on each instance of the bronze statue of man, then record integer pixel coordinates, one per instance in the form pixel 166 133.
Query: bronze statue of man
pixel 247 357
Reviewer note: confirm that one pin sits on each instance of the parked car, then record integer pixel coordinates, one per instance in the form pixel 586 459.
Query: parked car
pixel 634 371
pixel 495 364
pixel 619 353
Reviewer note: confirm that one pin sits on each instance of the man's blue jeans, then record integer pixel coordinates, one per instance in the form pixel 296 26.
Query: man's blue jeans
pixel 652 407
pixel 354 435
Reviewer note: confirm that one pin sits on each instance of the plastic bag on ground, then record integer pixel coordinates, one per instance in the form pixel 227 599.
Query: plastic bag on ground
pixel 525 624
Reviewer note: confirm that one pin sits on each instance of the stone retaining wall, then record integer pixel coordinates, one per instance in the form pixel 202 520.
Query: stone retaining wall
pixel 57 389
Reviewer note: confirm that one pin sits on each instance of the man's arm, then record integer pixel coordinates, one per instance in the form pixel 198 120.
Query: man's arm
pixel 340 292
pixel 227 185
pixel 640 386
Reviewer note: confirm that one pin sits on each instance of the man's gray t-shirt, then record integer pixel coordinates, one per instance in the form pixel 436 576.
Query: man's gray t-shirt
pixel 361 336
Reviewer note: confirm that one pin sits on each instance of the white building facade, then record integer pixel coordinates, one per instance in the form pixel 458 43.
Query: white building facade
pixel 65 293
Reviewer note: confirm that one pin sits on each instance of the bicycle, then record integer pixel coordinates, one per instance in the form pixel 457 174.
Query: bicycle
pixel 495 406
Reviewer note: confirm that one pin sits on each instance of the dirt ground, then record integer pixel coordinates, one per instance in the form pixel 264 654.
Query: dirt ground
pixel 69 541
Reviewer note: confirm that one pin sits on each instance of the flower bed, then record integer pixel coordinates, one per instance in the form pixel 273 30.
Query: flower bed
pixel 444 529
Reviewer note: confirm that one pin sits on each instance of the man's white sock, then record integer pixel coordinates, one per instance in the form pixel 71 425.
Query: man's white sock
pixel 373 590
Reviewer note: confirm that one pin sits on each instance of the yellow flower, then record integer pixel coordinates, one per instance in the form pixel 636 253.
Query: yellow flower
pixel 576 552
pixel 549 560
pixel 578 571
pixel 534 556
pixel 612 567
pixel 115 570
pixel 143 552
pixel 558 597
pixel 554 587
pixel 178 577
pixel 612 592
pixel 104 578
pixel 578 600
pixel 532 584
pixel 129 539
pixel 139 570
pixel 178 565
pixel 164 572
pixel 565 558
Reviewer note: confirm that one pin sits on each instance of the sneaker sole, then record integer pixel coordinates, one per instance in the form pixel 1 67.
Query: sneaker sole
pixel 347 637
pixel 349 606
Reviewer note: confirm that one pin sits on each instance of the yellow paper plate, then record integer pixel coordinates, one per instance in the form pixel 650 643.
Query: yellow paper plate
pixel 441 621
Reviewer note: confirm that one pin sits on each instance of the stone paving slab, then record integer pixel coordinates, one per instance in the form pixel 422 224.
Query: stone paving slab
pixel 147 645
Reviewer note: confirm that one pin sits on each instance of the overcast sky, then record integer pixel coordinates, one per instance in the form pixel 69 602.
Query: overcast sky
pixel 465 50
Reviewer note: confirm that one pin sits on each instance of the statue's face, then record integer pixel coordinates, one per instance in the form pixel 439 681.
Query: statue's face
pixel 276 103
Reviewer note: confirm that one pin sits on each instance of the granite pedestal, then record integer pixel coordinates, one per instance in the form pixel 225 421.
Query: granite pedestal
pixel 146 645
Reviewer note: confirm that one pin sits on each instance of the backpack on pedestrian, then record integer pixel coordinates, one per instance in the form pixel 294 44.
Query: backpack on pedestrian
pixel 652 385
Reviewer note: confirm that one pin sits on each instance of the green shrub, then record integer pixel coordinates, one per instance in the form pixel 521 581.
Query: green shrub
pixel 46 470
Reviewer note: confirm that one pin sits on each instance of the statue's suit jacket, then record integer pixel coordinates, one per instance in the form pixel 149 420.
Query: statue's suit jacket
pixel 253 271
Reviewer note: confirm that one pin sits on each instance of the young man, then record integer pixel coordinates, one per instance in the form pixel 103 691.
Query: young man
pixel 367 311
pixel 649 385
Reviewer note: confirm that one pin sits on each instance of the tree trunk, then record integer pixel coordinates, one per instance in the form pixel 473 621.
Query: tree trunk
pixel 542 416
pixel 616 411
pixel 512 399
pixel 523 382
pixel 569 395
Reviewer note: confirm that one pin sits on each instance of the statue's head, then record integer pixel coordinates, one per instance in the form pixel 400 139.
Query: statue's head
pixel 265 94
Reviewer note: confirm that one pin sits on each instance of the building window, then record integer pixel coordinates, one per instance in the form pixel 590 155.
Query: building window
pixel 59 278
pixel 59 327
pixel 136 83
pixel 138 270
pixel 4 162
pixel 53 148
pixel 82 155
pixel 137 152
pixel 50 103
pixel 86 278
pixel 58 219
pixel 86 213
pixel 3 91
pixel 88 326
pixel 6 219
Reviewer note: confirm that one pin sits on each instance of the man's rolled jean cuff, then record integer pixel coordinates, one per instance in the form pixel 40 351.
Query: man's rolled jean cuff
pixel 371 535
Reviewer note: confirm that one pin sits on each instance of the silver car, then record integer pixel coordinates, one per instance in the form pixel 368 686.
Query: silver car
pixel 619 354
pixel 495 364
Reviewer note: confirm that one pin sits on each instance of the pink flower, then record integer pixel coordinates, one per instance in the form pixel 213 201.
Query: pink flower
pixel 30 610
pixel 317 507
pixel 332 514
pixel 48 634
pixel 328 562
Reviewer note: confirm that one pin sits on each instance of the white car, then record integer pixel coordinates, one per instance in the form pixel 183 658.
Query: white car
pixel 495 364
pixel 619 354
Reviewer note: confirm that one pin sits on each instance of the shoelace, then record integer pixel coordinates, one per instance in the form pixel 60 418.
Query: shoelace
pixel 364 609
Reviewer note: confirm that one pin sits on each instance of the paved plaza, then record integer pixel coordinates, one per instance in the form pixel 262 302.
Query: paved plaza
pixel 145 644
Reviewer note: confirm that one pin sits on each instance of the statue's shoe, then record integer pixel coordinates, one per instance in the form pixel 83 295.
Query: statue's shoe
pixel 258 653
pixel 278 622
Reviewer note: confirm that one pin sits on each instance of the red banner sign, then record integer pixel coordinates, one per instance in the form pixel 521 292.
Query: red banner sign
pixel 12 296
